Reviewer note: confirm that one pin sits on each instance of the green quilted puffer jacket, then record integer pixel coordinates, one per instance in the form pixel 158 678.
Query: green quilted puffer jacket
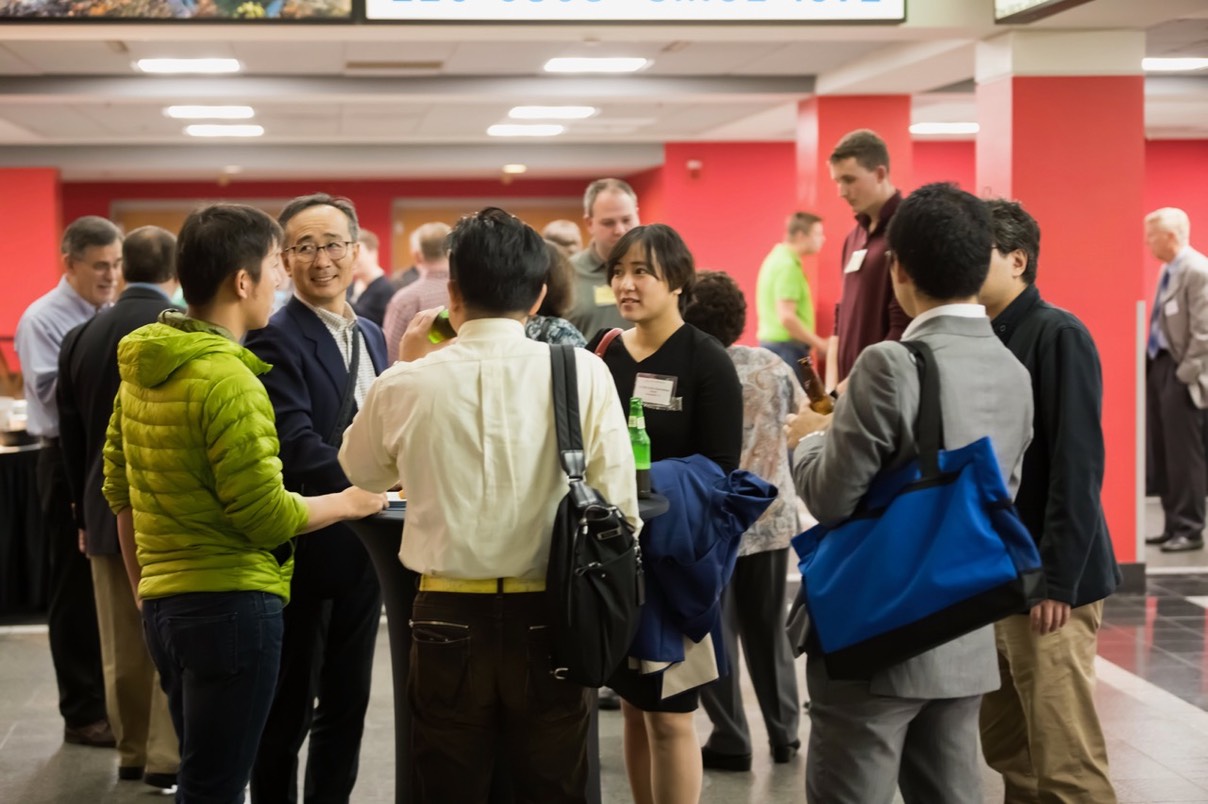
pixel 192 448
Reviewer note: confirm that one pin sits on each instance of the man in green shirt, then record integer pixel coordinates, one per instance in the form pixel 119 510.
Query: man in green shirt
pixel 783 300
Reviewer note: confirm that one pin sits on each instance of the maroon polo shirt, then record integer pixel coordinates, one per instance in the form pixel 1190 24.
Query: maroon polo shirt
pixel 868 312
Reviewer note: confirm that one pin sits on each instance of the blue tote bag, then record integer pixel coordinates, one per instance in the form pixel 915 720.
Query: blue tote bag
pixel 934 551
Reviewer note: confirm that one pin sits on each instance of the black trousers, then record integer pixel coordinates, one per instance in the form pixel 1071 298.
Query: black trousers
pixel 482 694
pixel 75 643
pixel 1176 428
pixel 331 628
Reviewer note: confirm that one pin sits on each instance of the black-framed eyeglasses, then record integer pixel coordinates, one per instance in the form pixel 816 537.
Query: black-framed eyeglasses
pixel 308 252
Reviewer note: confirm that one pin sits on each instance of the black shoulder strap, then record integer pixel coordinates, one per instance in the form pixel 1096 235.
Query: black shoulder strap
pixel 929 427
pixel 344 417
pixel 566 410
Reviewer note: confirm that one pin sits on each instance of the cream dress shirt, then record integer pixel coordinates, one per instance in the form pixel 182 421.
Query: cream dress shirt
pixel 468 430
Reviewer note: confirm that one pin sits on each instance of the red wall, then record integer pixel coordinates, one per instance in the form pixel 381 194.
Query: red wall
pixel 733 210
pixel 1087 195
pixel 1176 175
pixel 951 161
pixel 30 207
pixel 649 186
pixel 374 199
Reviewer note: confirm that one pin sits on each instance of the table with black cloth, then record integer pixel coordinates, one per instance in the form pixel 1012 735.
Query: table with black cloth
pixel 23 556
pixel 382 536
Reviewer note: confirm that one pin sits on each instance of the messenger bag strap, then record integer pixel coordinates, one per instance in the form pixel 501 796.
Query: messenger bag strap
pixel 566 410
pixel 607 340
pixel 929 427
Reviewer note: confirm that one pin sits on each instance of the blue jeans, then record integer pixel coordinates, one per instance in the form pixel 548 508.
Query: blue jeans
pixel 790 352
pixel 218 654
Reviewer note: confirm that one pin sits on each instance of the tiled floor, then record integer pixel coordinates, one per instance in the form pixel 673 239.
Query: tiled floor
pixel 1152 699
pixel 1152 696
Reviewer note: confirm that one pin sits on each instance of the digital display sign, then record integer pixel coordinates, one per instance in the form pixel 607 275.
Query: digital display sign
pixel 734 11
pixel 174 10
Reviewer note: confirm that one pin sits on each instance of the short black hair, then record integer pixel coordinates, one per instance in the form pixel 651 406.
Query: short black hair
pixel 718 307
pixel 322 200
pixel 149 255
pixel 1015 230
pixel 666 253
pixel 498 262
pixel 217 241
pixel 88 231
pixel 869 150
pixel 941 237
pixel 559 286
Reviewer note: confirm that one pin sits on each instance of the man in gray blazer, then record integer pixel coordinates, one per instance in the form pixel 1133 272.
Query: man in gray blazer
pixel 1177 379
pixel 915 724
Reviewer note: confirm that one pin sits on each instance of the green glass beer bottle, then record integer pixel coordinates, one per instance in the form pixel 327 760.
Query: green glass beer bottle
pixel 641 445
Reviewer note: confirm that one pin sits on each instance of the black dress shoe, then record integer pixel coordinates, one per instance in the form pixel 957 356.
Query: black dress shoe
pixel 1161 538
pixel 714 760
pixel 130 773
pixel 97 735
pixel 785 753
pixel 1183 544
pixel 164 781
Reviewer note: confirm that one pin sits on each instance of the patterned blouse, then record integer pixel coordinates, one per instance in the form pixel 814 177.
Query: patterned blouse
pixel 770 391
pixel 550 329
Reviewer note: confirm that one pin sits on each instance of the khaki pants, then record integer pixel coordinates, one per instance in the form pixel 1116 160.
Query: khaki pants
pixel 138 708
pixel 1040 729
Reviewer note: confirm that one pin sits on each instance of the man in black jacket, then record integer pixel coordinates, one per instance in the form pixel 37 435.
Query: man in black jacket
pixel 1040 730
pixel 147 745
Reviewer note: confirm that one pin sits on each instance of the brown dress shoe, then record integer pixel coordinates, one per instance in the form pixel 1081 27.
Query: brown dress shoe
pixel 97 735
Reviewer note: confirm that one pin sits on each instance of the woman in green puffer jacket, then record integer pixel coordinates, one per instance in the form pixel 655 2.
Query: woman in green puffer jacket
pixel 192 472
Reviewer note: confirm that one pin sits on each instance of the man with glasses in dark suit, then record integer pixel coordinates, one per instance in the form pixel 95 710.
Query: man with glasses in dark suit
pixel 324 359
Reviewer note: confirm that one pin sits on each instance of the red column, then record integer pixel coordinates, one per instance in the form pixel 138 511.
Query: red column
pixel 821 123
pixel 1072 150
pixel 729 201
pixel 31 206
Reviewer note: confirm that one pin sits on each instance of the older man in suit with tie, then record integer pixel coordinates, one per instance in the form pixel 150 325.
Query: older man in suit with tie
pixel 914 724
pixel 147 744
pixel 324 359
pixel 1177 379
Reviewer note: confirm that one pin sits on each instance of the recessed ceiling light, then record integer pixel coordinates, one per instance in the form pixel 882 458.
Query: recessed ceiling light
pixel 515 169
pixel 210 112
pixel 188 65
pixel 1173 65
pixel 945 128
pixel 595 65
pixel 219 130
pixel 517 130
pixel 552 112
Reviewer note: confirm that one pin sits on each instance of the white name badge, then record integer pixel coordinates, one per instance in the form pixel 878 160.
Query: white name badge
pixel 855 262
pixel 657 391
pixel 604 296
pixel 1172 307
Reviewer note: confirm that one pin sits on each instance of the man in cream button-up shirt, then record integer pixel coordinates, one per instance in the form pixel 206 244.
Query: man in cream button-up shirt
pixel 468 431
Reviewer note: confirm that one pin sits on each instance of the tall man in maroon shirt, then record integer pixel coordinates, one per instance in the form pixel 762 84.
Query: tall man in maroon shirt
pixel 867 312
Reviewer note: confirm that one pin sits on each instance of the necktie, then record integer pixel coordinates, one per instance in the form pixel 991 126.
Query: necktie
pixel 1155 337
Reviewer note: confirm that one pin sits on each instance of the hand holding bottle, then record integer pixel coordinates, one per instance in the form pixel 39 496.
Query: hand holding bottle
pixel 416 342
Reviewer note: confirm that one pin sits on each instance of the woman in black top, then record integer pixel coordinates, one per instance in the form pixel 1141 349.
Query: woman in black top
pixel 693 403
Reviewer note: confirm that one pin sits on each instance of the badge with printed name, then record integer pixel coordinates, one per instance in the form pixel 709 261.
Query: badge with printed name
pixel 855 262
pixel 604 296
pixel 657 391
pixel 1172 307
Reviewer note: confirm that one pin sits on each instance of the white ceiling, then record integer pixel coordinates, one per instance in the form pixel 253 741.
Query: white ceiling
pixel 415 101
